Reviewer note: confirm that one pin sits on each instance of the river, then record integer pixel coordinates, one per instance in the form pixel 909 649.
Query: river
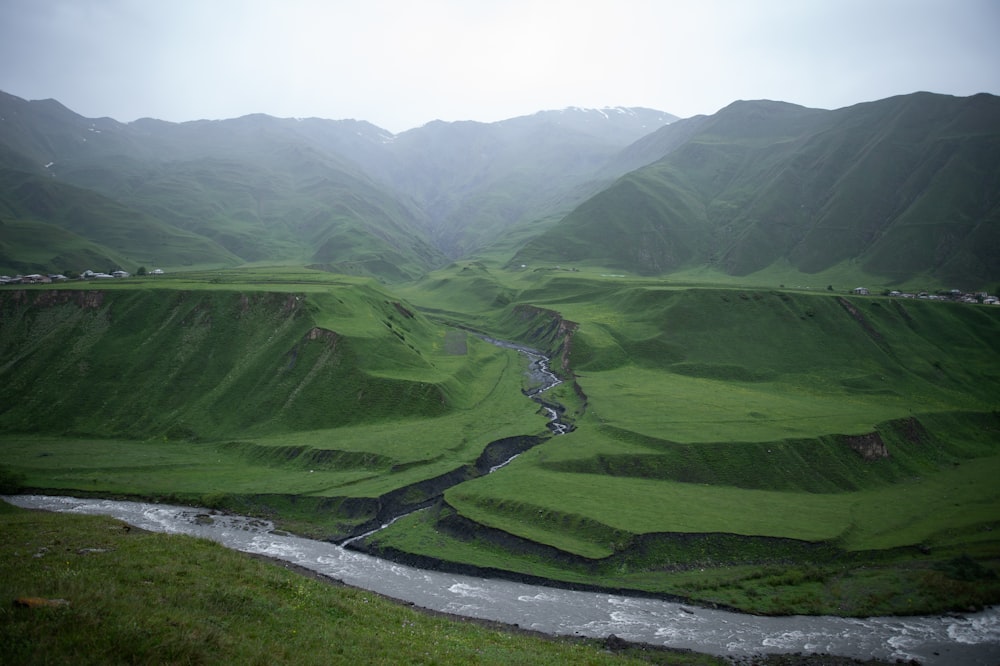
pixel 540 379
pixel 970 639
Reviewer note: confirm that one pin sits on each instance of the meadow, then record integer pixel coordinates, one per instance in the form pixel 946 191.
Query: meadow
pixel 775 450
pixel 211 389
pixel 730 433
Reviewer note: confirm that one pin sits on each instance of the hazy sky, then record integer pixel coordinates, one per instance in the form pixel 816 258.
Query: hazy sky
pixel 402 63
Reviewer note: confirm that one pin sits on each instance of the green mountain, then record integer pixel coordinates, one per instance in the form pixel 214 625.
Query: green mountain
pixel 904 187
pixel 477 180
pixel 894 191
pixel 344 195
pixel 773 450
pixel 48 225
pixel 244 190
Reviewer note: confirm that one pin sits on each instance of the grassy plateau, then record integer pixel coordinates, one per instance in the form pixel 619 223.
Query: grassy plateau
pixel 773 450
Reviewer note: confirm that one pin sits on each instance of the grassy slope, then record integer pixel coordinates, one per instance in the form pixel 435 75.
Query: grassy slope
pixel 64 251
pixel 204 193
pixel 893 189
pixel 135 597
pixel 710 412
pixel 83 230
pixel 731 411
pixel 300 208
pixel 207 390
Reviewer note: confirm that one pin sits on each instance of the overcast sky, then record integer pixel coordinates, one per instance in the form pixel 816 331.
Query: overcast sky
pixel 402 63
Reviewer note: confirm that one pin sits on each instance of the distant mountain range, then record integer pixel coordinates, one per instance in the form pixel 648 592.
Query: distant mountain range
pixel 903 187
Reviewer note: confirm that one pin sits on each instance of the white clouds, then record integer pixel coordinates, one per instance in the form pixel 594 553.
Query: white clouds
pixel 400 63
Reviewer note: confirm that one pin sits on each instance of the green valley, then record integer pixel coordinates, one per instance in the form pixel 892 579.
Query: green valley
pixel 777 402
pixel 736 431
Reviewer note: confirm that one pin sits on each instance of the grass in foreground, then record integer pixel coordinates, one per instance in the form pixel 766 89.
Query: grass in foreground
pixel 137 597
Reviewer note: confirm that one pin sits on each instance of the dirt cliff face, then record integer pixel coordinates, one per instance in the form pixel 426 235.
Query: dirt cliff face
pixel 869 446
pixel 323 334
pixel 287 304
pixel 87 300
pixel 549 332
pixel 861 319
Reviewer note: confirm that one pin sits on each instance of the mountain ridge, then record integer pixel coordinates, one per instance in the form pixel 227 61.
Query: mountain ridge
pixel 335 193
pixel 899 188
pixel 903 186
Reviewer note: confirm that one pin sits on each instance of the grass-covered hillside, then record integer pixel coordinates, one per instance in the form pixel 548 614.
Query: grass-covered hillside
pixel 49 226
pixel 900 188
pixel 476 180
pixel 738 431
pixel 773 450
pixel 344 195
pixel 203 193
pixel 260 390
pixel 897 191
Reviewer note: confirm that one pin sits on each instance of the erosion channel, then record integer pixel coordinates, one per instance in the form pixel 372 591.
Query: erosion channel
pixel 540 379
pixel 498 454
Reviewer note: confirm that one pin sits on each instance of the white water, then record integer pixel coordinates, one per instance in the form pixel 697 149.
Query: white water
pixel 972 639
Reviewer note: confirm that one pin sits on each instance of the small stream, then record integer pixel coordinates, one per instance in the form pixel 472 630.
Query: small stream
pixel 951 640
pixel 540 379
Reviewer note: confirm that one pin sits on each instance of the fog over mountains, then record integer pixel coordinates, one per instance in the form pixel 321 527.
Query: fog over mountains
pixel 902 187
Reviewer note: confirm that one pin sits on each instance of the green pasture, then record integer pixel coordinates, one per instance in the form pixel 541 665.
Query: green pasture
pixel 535 504
pixel 712 422
pixel 923 544
pixel 158 468
pixel 957 569
pixel 223 362
pixel 691 409
pixel 362 460
pixel 314 385
pixel 256 277
pixel 205 385
pixel 721 410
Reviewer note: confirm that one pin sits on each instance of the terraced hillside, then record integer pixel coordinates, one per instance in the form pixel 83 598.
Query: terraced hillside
pixel 738 432
pixel 777 451
pixel 250 395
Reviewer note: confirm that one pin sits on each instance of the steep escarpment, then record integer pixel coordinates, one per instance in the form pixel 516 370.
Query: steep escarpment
pixel 197 364
pixel 892 452
pixel 546 330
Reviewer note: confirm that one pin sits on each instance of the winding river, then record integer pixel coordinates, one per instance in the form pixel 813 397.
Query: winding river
pixel 541 379
pixel 972 639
